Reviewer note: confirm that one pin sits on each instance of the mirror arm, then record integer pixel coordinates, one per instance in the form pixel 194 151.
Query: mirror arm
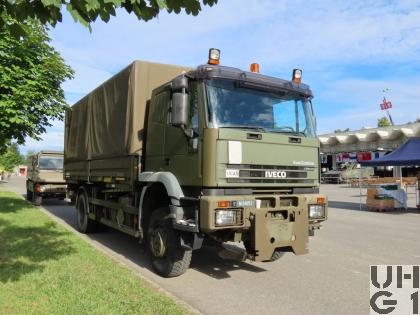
pixel 187 131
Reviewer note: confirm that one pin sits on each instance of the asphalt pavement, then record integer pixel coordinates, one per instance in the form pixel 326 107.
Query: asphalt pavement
pixel 332 279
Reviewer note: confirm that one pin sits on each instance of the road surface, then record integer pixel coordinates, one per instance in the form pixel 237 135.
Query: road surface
pixel 332 279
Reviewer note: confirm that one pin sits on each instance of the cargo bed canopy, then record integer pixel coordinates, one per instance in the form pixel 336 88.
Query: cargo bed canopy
pixel 109 121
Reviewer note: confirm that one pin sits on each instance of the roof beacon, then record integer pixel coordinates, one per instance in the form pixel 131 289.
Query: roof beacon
pixel 297 76
pixel 214 56
pixel 254 67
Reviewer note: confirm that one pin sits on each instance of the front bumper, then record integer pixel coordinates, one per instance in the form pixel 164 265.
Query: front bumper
pixel 51 190
pixel 274 222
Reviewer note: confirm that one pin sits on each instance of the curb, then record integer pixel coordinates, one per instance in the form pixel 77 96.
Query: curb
pixel 122 261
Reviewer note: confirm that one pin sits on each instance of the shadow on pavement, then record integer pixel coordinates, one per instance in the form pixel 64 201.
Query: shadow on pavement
pixel 206 261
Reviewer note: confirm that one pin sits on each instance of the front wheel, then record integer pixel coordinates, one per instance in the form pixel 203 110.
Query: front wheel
pixel 277 255
pixel 168 257
pixel 37 199
pixel 29 195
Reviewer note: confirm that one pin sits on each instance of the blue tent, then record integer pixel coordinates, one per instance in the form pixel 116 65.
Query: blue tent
pixel 407 154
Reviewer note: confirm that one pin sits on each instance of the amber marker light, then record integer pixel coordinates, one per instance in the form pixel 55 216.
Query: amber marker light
pixel 320 200
pixel 254 67
pixel 223 204
pixel 297 76
pixel 37 188
pixel 214 56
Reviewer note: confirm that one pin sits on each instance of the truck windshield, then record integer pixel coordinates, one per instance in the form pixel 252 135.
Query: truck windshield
pixel 231 105
pixel 51 163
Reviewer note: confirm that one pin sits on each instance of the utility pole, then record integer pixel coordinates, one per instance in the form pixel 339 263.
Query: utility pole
pixel 385 105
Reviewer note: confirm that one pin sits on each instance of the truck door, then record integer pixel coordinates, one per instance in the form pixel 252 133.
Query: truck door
pixel 157 120
pixel 182 154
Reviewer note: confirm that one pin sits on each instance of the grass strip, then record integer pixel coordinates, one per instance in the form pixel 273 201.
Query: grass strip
pixel 46 269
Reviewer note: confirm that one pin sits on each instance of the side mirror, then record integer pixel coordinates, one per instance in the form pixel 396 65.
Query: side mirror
pixel 180 101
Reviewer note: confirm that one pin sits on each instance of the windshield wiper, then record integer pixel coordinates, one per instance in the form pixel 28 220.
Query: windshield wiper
pixel 289 132
pixel 261 129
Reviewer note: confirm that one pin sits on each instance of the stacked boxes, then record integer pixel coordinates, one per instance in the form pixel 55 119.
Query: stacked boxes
pixel 379 202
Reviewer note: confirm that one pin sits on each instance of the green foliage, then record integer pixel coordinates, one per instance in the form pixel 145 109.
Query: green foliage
pixel 384 122
pixel 87 11
pixel 31 73
pixel 11 158
pixel 27 158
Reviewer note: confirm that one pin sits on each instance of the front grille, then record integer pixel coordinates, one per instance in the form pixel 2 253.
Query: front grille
pixel 254 173
pixel 289 174
pixel 270 180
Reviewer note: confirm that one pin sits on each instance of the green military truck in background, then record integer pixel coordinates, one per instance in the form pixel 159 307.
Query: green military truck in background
pixel 45 177
pixel 181 157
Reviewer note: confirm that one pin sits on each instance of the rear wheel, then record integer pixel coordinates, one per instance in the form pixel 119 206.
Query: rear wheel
pixel 37 199
pixel 277 255
pixel 168 257
pixel 84 224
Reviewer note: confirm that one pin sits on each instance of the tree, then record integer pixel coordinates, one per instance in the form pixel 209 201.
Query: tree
pixel 27 158
pixel 11 158
pixel 87 11
pixel 31 74
pixel 384 122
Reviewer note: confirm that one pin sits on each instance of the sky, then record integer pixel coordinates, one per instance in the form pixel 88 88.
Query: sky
pixel 349 51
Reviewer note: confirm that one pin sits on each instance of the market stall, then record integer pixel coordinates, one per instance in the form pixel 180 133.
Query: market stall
pixel 407 154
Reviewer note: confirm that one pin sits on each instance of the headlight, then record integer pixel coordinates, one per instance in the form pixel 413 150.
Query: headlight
pixel 316 211
pixel 225 217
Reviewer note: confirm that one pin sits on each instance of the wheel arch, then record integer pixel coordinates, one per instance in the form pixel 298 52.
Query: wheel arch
pixel 161 189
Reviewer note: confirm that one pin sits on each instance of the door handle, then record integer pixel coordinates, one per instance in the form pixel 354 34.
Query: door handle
pixel 166 160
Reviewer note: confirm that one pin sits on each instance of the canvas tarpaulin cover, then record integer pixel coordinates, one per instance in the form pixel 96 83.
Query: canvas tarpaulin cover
pixel 407 154
pixel 108 121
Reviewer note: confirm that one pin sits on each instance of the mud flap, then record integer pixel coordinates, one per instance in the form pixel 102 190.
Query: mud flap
pixel 271 233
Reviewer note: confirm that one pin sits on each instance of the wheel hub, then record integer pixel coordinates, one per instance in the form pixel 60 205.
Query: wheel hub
pixel 157 243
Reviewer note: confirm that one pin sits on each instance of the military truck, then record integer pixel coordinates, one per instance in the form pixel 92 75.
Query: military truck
pixel 45 177
pixel 181 157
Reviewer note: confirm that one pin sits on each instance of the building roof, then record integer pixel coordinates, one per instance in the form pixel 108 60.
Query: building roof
pixel 371 139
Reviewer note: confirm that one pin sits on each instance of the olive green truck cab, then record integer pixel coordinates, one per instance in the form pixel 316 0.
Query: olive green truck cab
pixel 45 177
pixel 182 157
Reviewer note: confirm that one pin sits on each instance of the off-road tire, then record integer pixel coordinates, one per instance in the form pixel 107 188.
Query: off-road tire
pixel 36 199
pixel 175 260
pixel 277 255
pixel 83 223
pixel 29 195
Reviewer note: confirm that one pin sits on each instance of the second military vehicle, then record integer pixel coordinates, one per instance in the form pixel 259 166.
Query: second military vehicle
pixel 182 157
pixel 45 177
